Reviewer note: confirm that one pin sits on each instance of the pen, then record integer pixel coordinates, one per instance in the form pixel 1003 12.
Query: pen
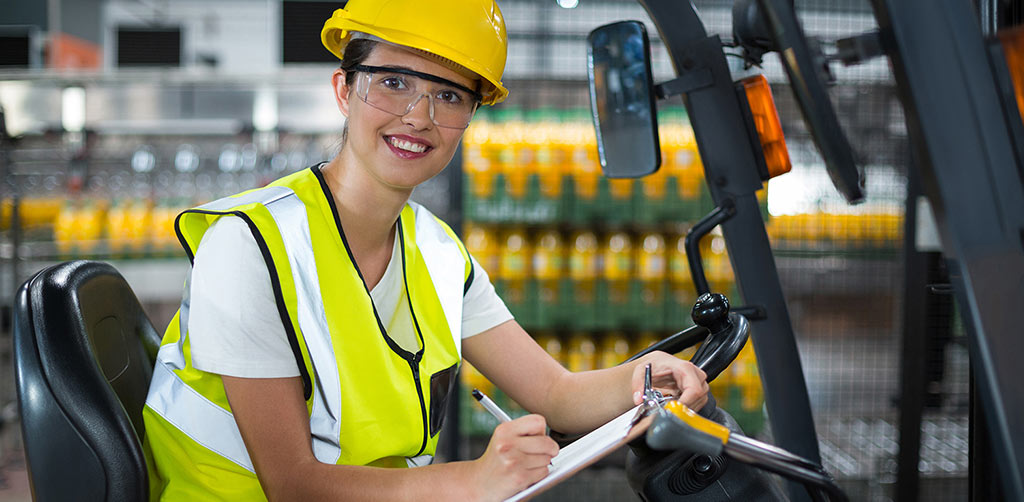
pixel 498 413
pixel 491 407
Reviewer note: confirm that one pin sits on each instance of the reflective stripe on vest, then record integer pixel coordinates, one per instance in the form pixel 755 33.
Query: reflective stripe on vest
pixel 210 424
pixel 432 239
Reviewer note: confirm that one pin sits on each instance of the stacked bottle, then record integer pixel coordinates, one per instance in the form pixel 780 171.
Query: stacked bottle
pixel 880 229
pixel 583 274
pixel 542 167
pixel 549 287
pixel 584 280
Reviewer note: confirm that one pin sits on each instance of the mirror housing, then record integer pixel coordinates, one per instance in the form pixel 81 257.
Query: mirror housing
pixel 622 99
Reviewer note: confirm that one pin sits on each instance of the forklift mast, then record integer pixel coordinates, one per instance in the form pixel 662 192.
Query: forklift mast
pixel 967 132
pixel 716 115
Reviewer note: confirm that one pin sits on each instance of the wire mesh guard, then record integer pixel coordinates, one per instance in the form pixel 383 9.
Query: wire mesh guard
pixel 841 267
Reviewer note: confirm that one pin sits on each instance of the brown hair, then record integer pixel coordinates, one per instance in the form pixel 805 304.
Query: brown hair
pixel 355 53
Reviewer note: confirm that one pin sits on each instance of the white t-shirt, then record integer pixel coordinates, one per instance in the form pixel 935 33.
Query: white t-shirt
pixel 235 329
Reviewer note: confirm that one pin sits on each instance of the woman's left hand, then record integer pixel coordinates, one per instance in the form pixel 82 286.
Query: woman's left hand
pixel 672 377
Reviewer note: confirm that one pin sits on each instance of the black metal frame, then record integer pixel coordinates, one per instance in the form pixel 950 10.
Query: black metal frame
pixel 969 141
pixel 912 370
pixel 716 114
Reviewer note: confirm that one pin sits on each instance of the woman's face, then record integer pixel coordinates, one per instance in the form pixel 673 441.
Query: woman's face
pixel 397 151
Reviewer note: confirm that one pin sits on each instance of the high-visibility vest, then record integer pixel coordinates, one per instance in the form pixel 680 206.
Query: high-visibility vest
pixel 370 402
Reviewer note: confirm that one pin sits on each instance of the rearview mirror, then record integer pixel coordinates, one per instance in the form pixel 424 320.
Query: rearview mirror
pixel 622 99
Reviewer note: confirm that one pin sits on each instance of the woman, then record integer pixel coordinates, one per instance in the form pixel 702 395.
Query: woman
pixel 325 316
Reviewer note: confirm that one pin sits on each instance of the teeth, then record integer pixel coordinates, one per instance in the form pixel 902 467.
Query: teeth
pixel 407 145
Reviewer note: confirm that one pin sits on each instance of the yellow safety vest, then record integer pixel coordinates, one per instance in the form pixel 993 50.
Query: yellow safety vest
pixel 369 401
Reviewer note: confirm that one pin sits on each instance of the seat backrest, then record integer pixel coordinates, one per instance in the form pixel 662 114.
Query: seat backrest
pixel 84 353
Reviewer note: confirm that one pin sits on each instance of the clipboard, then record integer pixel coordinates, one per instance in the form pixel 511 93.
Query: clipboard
pixel 587 450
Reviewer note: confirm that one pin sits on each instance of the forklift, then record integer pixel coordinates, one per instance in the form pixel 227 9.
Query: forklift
pixel 960 90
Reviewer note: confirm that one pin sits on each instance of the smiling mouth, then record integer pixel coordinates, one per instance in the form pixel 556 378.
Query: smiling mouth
pixel 408 146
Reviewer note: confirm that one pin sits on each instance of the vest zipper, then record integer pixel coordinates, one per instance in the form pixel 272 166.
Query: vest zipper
pixel 409 357
pixel 415 366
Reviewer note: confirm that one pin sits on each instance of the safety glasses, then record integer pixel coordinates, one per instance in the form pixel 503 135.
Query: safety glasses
pixel 398 90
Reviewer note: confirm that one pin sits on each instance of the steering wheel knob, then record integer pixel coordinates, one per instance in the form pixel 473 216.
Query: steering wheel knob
pixel 712 312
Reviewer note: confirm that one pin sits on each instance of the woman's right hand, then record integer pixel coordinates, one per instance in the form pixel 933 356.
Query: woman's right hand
pixel 517 456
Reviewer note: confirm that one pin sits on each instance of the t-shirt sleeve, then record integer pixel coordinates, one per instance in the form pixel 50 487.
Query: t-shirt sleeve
pixel 234 326
pixel 482 308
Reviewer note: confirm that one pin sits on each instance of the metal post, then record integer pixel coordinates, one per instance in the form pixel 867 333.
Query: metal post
pixel 912 378
pixel 451 438
pixel 939 55
pixel 731 173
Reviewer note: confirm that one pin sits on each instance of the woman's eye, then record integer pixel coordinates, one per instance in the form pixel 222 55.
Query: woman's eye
pixel 449 96
pixel 393 83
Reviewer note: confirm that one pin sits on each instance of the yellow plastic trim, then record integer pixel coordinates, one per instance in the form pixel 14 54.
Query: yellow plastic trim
pixel 696 421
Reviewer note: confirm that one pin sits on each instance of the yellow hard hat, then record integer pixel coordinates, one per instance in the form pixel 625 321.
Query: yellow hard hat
pixel 470 33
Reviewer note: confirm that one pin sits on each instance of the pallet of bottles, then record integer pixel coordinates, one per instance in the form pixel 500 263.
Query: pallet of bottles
pixel 553 278
pixel 86 227
pixel 542 167
pixel 872 233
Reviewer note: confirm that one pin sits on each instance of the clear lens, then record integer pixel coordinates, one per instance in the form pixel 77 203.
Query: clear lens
pixel 398 94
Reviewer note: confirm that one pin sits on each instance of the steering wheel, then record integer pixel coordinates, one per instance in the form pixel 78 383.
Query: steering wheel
pixel 686 475
pixel 729 333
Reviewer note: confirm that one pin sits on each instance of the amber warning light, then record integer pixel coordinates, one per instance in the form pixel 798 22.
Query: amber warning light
pixel 1013 48
pixel 766 121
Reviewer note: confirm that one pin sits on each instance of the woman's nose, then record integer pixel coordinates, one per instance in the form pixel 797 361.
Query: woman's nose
pixel 420 114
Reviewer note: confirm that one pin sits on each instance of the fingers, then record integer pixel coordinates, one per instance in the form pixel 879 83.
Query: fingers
pixel 529 425
pixel 528 445
pixel 672 377
pixel 525 435
pixel 518 455
pixel 695 396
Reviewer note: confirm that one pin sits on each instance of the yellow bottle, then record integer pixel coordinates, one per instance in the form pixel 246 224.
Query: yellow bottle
pixel 64 229
pixel 473 379
pixel 549 158
pixel 515 156
pixel 514 265
pixel 581 353
pixel 548 265
pixel 161 232
pixel 651 263
pixel 477 161
pixel 893 228
pixel 139 221
pixel 585 167
pixel 654 185
pixel 116 228
pixel 716 264
pixel 617 256
pixel 583 265
pixel 614 349
pixel 644 340
pixel 34 211
pixel 678 265
pixel 652 273
pixel 549 256
pixel 621 189
pixel 685 164
pixel 553 346
pixel 680 283
pixel 89 226
pixel 481 242
pixel 747 376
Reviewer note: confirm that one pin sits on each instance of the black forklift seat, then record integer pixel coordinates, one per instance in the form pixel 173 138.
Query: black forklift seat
pixel 84 353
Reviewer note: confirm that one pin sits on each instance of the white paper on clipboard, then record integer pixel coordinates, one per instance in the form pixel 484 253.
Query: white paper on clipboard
pixel 585 451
